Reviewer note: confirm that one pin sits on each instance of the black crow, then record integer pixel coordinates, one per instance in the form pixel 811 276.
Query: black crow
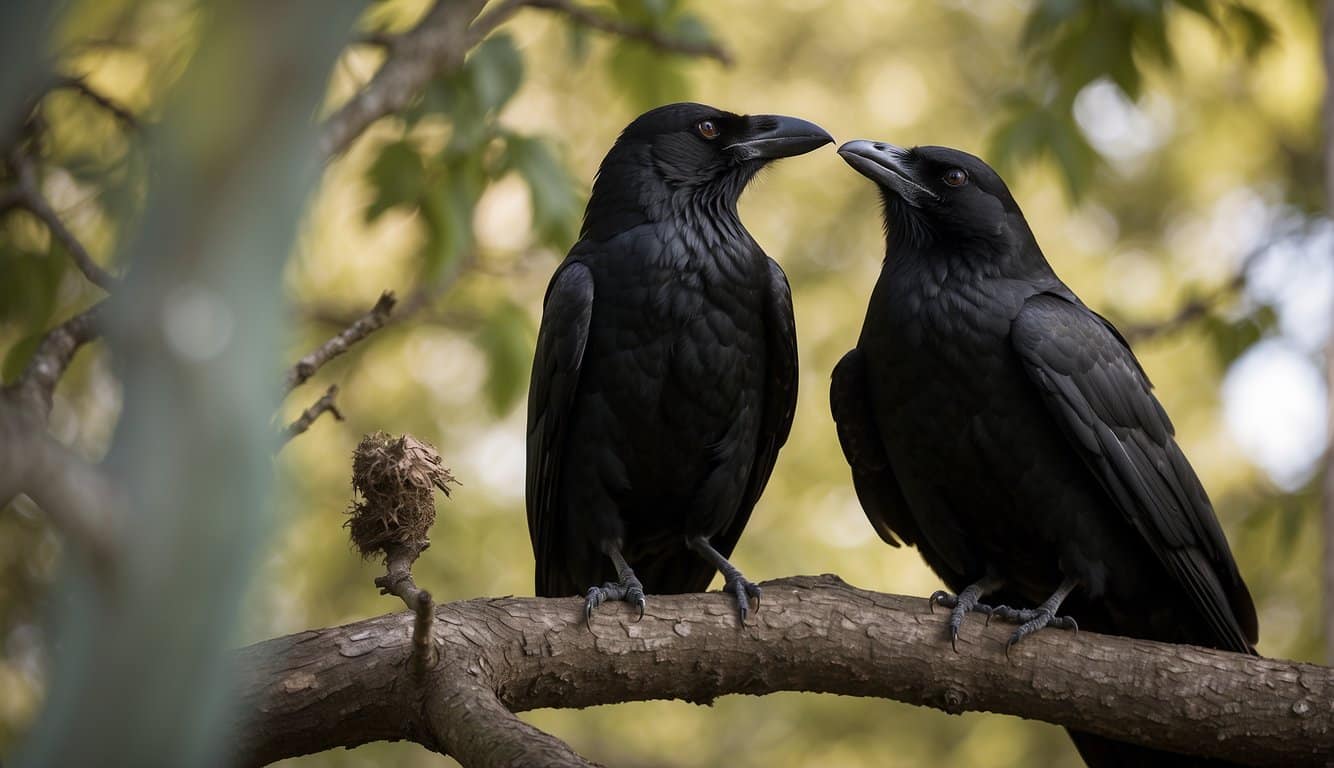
pixel 665 376
pixel 1006 430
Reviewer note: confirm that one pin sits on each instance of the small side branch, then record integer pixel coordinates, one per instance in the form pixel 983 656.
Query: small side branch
pixel 437 44
pixel 35 387
pixel 1189 312
pixel 473 725
pixel 324 405
pixel 27 195
pixel 360 329
pixel 398 581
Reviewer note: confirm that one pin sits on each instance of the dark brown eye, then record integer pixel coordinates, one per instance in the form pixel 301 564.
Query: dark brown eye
pixel 956 177
pixel 708 129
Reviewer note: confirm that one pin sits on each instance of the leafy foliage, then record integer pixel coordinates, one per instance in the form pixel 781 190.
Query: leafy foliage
pixel 445 185
pixel 1072 44
pixel 506 338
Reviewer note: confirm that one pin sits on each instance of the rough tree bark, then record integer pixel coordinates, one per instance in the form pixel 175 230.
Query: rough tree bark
pixel 349 685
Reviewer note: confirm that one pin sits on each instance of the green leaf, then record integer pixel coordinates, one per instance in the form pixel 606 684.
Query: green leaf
pixel 397 177
pixel 1073 155
pixel 496 69
pixel 1046 18
pixel 1257 33
pixel 645 76
pixel 1231 338
pixel 447 208
pixel 692 29
pixel 551 190
pixel 578 37
pixel 645 11
pixel 30 286
pixel 507 341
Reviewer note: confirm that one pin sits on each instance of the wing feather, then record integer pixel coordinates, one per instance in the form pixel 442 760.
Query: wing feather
pixel 1098 393
pixel 561 339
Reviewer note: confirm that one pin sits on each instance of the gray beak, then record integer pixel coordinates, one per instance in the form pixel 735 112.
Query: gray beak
pixel 773 136
pixel 884 164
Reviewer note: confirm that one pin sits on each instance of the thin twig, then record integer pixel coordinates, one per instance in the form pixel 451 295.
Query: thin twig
pixel 656 38
pixel 308 416
pixel 363 327
pixel 424 652
pixel 1198 307
pixel 27 194
pixel 376 39
pixel 398 581
pixel 80 85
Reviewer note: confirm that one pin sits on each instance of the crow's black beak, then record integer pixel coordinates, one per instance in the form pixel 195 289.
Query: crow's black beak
pixel 884 164
pixel 770 137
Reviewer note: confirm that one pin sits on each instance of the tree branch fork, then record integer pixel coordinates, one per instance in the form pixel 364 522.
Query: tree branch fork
pixel 349 685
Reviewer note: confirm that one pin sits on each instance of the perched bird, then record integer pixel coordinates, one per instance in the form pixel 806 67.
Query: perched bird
pixel 1007 431
pixel 665 376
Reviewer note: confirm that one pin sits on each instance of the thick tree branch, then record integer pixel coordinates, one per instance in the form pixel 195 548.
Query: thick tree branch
pixel 358 330
pixel 349 685
pixel 35 387
pixel 438 43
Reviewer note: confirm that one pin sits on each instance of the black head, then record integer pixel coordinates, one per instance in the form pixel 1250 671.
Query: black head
pixel 938 195
pixel 684 154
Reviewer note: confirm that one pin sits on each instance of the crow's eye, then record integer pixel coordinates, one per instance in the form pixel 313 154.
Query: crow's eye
pixel 708 129
pixel 956 177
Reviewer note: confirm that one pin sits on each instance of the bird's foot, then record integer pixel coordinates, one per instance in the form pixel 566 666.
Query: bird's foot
pixel 743 591
pixel 628 590
pixel 1030 620
pixel 960 605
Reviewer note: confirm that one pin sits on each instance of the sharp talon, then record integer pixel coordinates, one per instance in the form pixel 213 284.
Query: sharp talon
pixel 641 612
pixel 954 640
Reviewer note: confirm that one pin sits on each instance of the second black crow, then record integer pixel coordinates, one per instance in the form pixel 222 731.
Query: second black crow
pixel 1007 431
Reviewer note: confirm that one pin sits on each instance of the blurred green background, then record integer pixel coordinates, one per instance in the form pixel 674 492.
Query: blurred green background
pixel 1158 149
